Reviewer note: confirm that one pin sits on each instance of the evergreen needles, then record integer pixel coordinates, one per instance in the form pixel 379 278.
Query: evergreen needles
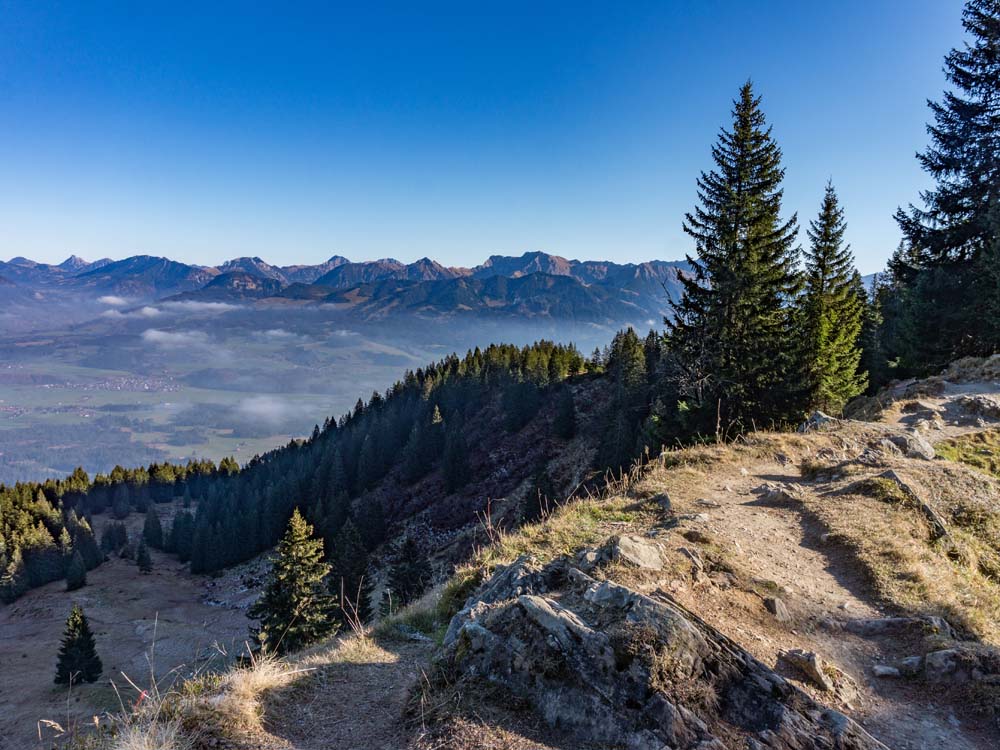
pixel 295 608
pixel 78 660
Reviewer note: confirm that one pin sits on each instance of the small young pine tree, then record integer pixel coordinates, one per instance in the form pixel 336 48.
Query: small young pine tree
pixel 152 530
pixel 78 661
pixel 76 572
pixel 143 558
pixel 294 608
pixel 832 314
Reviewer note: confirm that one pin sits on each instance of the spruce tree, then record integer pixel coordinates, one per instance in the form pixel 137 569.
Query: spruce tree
pixel 626 363
pixel 409 576
pixel 732 348
pixel 152 530
pixel 143 558
pixel 76 572
pixel 947 307
pixel 120 506
pixel 832 313
pixel 78 660
pixel 565 419
pixel 182 535
pixel 350 581
pixel 371 523
pixel 295 609
pixel 455 461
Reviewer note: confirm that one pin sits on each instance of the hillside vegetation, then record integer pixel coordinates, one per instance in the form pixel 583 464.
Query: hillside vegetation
pixel 818 555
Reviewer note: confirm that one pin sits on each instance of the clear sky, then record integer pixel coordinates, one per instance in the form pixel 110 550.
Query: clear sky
pixel 294 131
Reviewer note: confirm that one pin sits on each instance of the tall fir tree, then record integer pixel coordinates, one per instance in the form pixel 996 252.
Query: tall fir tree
pixel 78 661
pixel 564 423
pixel 733 355
pixel 76 572
pixel 831 313
pixel 294 608
pixel 455 460
pixel 152 529
pixel 350 581
pixel 947 306
pixel 626 363
pixel 409 576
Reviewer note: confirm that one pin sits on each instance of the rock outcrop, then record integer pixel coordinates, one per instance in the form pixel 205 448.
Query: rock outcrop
pixel 611 666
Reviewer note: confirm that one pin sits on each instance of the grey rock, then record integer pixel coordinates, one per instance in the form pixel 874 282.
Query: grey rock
pixel 938 528
pixel 663 500
pixel 777 608
pixel 981 405
pixel 810 664
pixel 697 564
pixel 884 670
pixel 913 445
pixel 889 448
pixel 818 421
pixel 590 658
pixel 938 665
pixel 898 626
pixel 635 550
pixel 911 666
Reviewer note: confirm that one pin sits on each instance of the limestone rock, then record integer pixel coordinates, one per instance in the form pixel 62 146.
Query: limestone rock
pixel 777 608
pixel 616 668
pixel 818 421
pixel 913 445
pixel 635 550
pixel 813 667
pixel 884 670
pixel 938 665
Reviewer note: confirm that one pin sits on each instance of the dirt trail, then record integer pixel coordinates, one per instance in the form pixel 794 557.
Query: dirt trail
pixel 355 698
pixel 818 582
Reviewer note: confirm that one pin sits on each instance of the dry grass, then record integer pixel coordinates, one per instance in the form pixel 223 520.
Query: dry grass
pixel 152 733
pixel 237 703
pixel 952 578
pixel 973 369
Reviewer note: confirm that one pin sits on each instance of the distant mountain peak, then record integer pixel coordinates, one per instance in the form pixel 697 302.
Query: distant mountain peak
pixel 74 263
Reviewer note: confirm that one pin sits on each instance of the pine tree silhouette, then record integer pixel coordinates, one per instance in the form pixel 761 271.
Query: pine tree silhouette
pixel 78 660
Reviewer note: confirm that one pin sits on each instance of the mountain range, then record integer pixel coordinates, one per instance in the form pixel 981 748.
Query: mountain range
pixel 533 284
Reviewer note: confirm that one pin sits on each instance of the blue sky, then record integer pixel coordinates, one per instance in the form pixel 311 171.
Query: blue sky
pixel 294 131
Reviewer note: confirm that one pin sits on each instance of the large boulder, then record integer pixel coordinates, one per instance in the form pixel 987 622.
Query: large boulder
pixel 913 445
pixel 613 667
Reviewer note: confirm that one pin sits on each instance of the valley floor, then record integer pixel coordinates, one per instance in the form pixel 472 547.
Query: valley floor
pixel 169 611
